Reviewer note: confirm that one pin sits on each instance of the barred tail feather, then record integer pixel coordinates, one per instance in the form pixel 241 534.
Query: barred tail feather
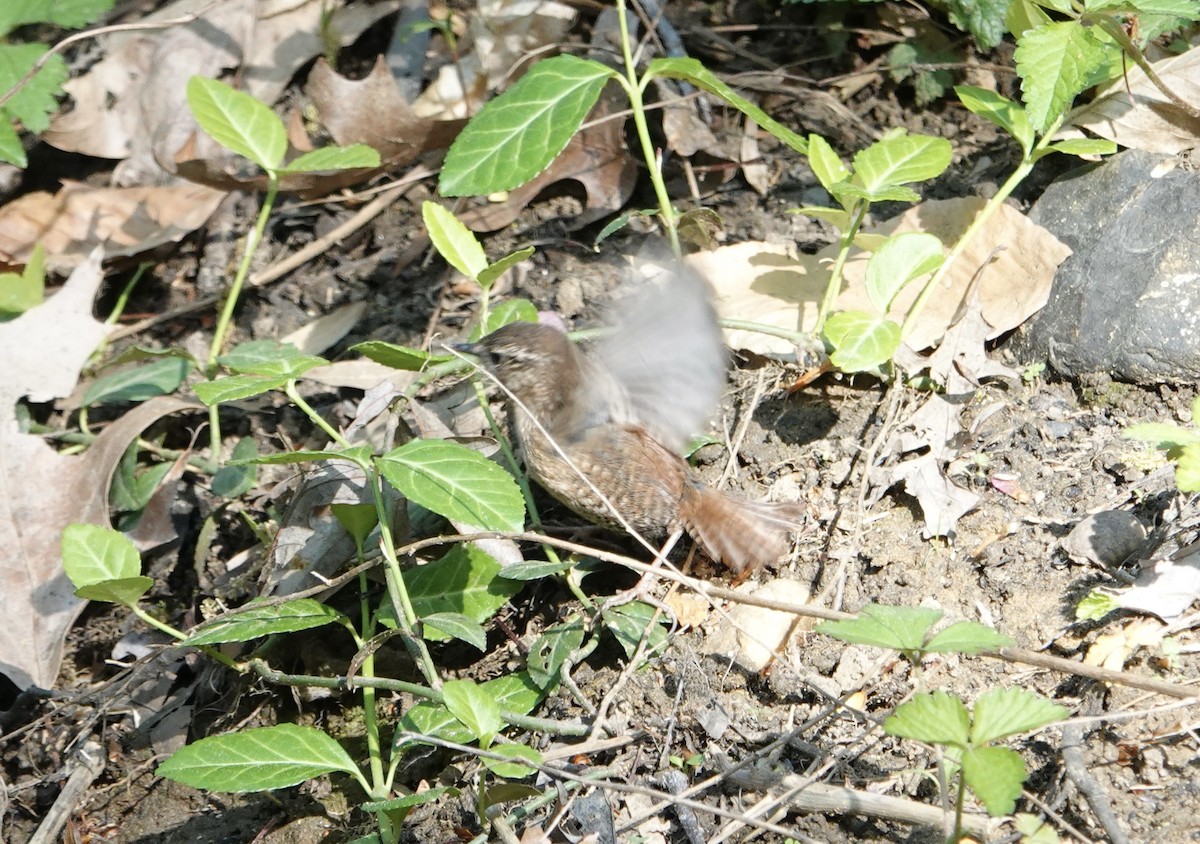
pixel 741 534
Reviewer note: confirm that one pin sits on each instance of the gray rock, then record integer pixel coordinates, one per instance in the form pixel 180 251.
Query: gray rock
pixel 1128 301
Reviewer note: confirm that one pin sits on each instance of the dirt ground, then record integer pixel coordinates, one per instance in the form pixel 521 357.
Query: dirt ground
pixel 1055 446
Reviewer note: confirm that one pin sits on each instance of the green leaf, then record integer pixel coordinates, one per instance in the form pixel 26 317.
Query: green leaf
pixel 456 482
pixel 825 163
pixel 1007 712
pixel 515 693
pixel 124 590
pixel 901 259
pixel 69 14
pixel 138 383
pixel 398 357
pixel 1185 9
pixel 20 292
pixel 130 489
pixel 1056 63
pixel 455 242
pixel 475 708
pixel 996 775
pixel 1000 110
pixel 239 475
pixel 860 341
pixel 691 70
pixel 1164 435
pixel 257 759
pixel 457 626
pixel 488 275
pixel 984 19
pixel 846 191
pixel 936 718
pixel 33 104
pixel 552 649
pixel 508 311
pixel 301 614
pixel 1187 469
pixel 840 218
pixel 1082 146
pixel 1095 605
pixel 358 520
pixel 235 387
pixel 535 569
pixel 1034 830
pixel 967 637
pixel 269 358
pixel 630 622
pixel 333 158
pixel 408 801
pixel 899 628
pixel 238 121
pixel 466 581
pixel 1024 15
pixel 358 454
pixel 519 133
pixel 513 770
pixel 12 151
pixel 900 159
pixel 94 554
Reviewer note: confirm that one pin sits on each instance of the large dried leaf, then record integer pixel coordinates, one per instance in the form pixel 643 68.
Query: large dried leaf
pixel 1149 121
pixel 77 219
pixel 41 491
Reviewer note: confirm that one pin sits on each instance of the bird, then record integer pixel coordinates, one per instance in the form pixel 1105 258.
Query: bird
pixel 602 429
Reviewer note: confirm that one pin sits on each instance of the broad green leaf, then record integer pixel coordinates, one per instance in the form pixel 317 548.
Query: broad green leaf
pixel 301 614
pixel 551 649
pixel 358 454
pixel 1000 110
pixel 1082 146
pixel 138 383
pixel 1034 830
pixel 519 133
pixel 513 770
pixel 333 158
pixel 900 159
pixel 995 775
pixel 358 520
pixel 457 626
pixel 478 710
pixel 1024 15
pixel 269 358
pixel 12 151
pixel 535 569
pixel 235 387
pixel 1056 63
pixel 123 590
pixel 861 341
pixel 967 637
pixel 455 242
pixel 69 14
pixel 936 718
pixel 901 259
pixel 238 121
pixel 94 554
pixel 258 759
pixel 1187 469
pixel 455 482
pixel 1164 435
pixel 840 218
pixel 398 357
pixel 131 489
pixel 1095 605
pixel 1007 712
pixel 20 292
pixel 845 191
pixel 984 19
pixel 488 275
pixel 508 311
pixel 691 70
pixel 1185 9
pixel 237 477
pixel 899 628
pixel 37 99
pixel 466 581
pixel 825 164
pixel 515 693
pixel 630 622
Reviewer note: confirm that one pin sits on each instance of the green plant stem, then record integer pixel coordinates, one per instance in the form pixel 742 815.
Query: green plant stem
pixel 835 277
pixel 119 307
pixel 1118 34
pixel 635 89
pixel 797 337
pixel 210 652
pixel 370 719
pixel 318 420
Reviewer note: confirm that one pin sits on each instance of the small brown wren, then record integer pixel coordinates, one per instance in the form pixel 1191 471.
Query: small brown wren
pixel 622 414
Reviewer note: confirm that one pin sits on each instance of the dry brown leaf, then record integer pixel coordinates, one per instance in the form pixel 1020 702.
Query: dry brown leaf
pixel 79 218
pixel 761 633
pixel 1111 650
pixel 1149 121
pixel 43 491
pixel 317 336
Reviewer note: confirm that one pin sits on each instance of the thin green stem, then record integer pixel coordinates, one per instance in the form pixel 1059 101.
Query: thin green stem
pixel 210 652
pixel 835 277
pixel 318 420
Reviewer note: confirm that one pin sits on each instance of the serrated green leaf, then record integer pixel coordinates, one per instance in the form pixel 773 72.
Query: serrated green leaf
pixel 936 718
pixel 825 163
pixel 456 482
pixel 513 770
pixel 508 311
pixel 37 99
pixel 398 357
pixel 1034 830
pixel 237 121
pixel 630 622
pixel 900 628
pixel 552 648
pixel 488 275
pixel 995 775
pixel 1024 15
pixel 301 614
pixel 466 581
pixel 1056 63
pixel 12 151
pixel 333 158
pixel 455 625
pixel 235 387
pixel 984 19
pixel 515 693
pixel 902 258
pixel 519 133
pixel 1083 146
pixel 1000 110
pixel 860 341
pixel 138 383
pixel 69 14
pixel 475 708
pixel 269 358
pixel 1095 605
pixel 899 160
pixel 1007 712
pixel 21 291
pixel 123 590
pixel 456 243
pixel 967 637
pixel 258 759
pixel 94 554
pixel 691 70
